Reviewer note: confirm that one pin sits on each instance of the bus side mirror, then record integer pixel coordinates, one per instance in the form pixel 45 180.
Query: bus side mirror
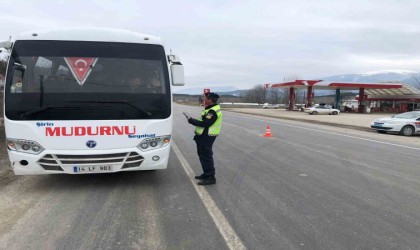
pixel 177 71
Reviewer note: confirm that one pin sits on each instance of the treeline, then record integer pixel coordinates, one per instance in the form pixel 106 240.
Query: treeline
pixel 197 98
pixel 255 95
pixel 271 95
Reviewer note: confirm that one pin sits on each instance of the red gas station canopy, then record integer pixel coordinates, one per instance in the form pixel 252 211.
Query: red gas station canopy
pixel 321 84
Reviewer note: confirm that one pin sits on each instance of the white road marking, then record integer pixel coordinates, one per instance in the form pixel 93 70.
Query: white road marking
pixel 327 132
pixel 232 239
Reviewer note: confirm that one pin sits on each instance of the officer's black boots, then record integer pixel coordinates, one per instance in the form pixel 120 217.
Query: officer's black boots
pixel 207 181
pixel 200 177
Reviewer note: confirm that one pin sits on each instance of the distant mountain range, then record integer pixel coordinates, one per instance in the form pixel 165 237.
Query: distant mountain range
pixel 405 76
pixel 197 91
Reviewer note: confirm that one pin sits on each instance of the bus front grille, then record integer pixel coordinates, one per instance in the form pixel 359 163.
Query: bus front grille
pixel 56 162
pixel 51 168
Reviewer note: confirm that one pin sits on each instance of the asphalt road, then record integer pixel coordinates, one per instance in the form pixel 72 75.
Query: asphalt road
pixel 307 187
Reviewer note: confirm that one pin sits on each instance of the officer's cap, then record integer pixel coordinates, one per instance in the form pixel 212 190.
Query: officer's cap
pixel 212 95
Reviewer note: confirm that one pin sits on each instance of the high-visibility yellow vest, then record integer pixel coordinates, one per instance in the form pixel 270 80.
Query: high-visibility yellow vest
pixel 214 129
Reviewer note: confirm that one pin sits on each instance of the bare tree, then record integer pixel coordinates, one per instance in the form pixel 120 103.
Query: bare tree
pixel 274 95
pixel 300 95
pixel 256 94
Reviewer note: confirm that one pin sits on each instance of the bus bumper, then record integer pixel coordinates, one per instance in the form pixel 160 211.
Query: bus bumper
pixel 101 161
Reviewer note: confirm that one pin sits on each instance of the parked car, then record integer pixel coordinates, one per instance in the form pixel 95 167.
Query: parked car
pixel 270 106
pixel 296 107
pixel 405 124
pixel 349 109
pixel 315 110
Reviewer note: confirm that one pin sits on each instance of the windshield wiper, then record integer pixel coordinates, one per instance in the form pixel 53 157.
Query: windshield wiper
pixel 35 111
pixel 118 102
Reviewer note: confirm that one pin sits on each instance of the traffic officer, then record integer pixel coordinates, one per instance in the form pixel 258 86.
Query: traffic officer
pixel 206 130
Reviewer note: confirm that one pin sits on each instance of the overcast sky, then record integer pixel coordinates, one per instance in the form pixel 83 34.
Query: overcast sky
pixel 245 43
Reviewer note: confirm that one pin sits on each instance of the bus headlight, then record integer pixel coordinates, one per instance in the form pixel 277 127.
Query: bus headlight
pixel 154 143
pixel 25 146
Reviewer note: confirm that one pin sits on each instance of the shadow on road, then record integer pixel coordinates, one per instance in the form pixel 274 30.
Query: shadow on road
pixel 79 182
pixel 102 181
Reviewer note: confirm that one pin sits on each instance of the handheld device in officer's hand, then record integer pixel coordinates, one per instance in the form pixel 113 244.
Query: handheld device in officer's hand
pixel 186 115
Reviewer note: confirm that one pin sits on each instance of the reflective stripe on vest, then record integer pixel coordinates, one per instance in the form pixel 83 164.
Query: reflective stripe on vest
pixel 214 130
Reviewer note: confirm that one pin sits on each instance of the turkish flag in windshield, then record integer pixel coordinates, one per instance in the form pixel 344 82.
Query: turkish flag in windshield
pixel 81 67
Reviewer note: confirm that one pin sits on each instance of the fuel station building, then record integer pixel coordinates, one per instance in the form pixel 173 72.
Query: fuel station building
pixel 378 97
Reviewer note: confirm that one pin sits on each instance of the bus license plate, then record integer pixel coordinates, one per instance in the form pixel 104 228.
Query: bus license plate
pixel 92 169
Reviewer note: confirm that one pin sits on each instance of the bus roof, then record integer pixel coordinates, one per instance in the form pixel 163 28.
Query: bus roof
pixel 90 34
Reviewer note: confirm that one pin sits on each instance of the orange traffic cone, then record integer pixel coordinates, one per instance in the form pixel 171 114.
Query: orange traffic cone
pixel 268 132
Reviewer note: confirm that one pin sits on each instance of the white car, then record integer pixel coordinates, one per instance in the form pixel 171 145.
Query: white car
pixel 315 110
pixel 270 106
pixel 405 124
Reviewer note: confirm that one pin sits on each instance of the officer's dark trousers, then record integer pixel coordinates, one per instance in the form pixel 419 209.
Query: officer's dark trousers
pixel 205 153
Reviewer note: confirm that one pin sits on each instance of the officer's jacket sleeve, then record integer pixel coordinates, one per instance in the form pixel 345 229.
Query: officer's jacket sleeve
pixel 208 120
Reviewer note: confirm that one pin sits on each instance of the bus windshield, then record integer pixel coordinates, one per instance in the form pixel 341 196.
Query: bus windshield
pixel 74 80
